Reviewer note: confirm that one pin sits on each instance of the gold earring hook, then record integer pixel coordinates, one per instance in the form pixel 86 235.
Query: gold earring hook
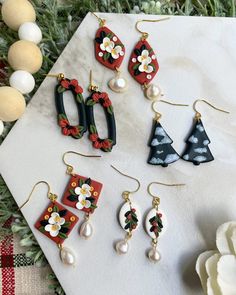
pixel 159 115
pixel 145 34
pixel 101 21
pixel 59 76
pixel 92 87
pixel 50 196
pixel 127 193
pixel 69 168
pixel 156 199
pixel 198 114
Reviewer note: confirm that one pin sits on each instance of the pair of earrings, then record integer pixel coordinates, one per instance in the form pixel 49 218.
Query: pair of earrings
pixel 196 150
pixel 57 222
pixel 85 112
pixel 130 219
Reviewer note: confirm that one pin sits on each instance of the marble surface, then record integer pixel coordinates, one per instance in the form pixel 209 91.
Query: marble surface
pixel 197 60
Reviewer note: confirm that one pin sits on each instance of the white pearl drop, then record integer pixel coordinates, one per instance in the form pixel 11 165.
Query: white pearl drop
pixel 1 127
pixel 22 81
pixel 118 84
pixel 30 32
pixel 122 247
pixel 154 255
pixel 153 92
pixel 86 230
pixel 67 256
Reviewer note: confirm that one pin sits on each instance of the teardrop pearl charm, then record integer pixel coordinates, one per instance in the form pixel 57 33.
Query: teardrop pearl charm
pixel 67 256
pixel 118 84
pixel 154 255
pixel 153 92
pixel 86 230
pixel 122 247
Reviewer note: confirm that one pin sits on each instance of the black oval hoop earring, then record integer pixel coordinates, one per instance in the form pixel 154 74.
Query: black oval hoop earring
pixel 75 131
pixel 103 99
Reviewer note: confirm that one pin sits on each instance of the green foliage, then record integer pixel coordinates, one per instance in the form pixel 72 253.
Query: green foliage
pixel 58 21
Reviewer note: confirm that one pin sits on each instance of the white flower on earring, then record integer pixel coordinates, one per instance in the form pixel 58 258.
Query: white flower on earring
pixel 144 57
pixel 107 45
pixel 84 190
pixel 145 67
pixel 115 52
pixel 83 203
pixel 54 226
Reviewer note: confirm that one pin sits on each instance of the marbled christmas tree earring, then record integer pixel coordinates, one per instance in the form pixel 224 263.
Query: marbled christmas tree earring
pixel 110 52
pixel 129 217
pixel 82 193
pixel 155 221
pixel 56 223
pixel 143 64
pixel 197 150
pixel 161 153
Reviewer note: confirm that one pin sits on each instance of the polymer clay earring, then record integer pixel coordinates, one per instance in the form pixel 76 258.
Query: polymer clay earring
pixel 82 193
pixel 65 84
pixel 143 64
pixel 129 217
pixel 110 52
pixel 197 150
pixel 154 222
pixel 161 153
pixel 56 223
pixel 102 98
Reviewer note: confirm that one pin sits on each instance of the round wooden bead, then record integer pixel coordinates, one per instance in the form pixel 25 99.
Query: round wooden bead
pixel 17 12
pixel 12 104
pixel 26 56
pixel 22 81
pixel 30 32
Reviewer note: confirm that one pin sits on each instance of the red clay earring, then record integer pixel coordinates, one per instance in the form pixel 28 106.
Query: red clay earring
pixel 56 223
pixel 143 64
pixel 110 52
pixel 82 193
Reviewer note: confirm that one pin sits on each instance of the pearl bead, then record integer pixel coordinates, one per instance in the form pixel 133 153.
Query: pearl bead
pixel 67 256
pixel 22 81
pixel 153 92
pixel 154 255
pixel 30 32
pixel 118 84
pixel 1 127
pixel 122 247
pixel 86 230
pixel 17 12
pixel 12 104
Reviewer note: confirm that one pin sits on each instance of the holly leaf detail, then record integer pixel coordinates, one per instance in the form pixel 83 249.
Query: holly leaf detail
pixel 55 209
pixel 72 198
pixel 79 98
pixel 43 222
pixel 88 181
pixel 60 89
pixel 137 51
pixel 62 236
pixel 110 110
pixel 62 212
pixel 106 55
pixel 64 230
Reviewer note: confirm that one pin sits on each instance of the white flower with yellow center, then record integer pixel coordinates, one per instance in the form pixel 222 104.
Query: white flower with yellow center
pixel 116 52
pixel 145 67
pixel 107 45
pixel 83 203
pixel 144 57
pixel 54 226
pixel 84 190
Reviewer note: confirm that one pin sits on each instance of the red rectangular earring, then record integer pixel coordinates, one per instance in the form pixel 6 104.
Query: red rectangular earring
pixel 82 193
pixel 56 223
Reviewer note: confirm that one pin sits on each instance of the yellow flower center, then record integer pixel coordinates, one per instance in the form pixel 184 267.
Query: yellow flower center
pixel 57 218
pixel 83 191
pixel 106 44
pixel 145 67
pixel 83 202
pixel 54 227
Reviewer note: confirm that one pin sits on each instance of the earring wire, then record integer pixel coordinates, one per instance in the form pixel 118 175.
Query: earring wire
pixel 59 76
pixel 70 168
pixel 198 114
pixel 101 21
pixel 126 175
pixel 92 87
pixel 50 196
pixel 145 34
pixel 159 115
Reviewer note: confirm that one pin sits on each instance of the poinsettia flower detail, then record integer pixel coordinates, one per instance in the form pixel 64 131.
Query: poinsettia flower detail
pixel 103 98
pixel 67 129
pixel 84 190
pixel 68 84
pixel 54 224
pixel 106 144
pixel 145 67
pixel 116 52
pixel 144 57
pixel 107 45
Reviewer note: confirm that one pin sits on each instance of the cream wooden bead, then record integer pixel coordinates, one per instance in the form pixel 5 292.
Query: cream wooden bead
pixel 26 56
pixel 17 12
pixel 12 104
